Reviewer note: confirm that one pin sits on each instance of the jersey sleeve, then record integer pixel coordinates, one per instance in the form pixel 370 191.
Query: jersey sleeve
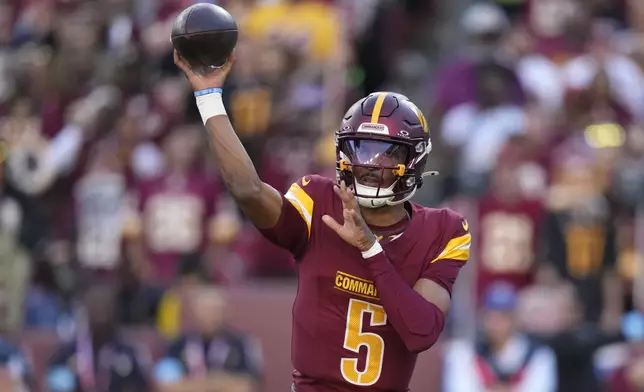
pixel 293 229
pixel 453 253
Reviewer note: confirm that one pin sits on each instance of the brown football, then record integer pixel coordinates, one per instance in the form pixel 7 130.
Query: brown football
pixel 204 35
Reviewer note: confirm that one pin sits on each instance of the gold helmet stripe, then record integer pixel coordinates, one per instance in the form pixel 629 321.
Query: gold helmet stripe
pixel 421 117
pixel 377 108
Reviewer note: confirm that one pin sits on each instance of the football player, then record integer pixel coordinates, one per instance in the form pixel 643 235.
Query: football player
pixel 375 270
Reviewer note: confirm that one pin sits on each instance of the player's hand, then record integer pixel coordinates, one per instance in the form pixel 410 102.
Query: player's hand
pixel 215 78
pixel 354 230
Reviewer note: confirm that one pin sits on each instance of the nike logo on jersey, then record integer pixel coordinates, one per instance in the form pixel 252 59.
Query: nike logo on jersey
pixel 305 181
pixel 465 225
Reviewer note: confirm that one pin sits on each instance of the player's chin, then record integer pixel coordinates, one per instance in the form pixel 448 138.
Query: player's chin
pixel 370 183
pixel 376 182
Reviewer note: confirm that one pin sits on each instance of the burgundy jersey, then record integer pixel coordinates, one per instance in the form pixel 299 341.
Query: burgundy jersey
pixel 507 241
pixel 341 338
pixel 174 213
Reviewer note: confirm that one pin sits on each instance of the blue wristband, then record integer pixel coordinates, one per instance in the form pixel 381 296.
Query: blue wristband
pixel 207 91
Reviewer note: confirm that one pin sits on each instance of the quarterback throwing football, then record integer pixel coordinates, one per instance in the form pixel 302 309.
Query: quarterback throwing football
pixel 375 270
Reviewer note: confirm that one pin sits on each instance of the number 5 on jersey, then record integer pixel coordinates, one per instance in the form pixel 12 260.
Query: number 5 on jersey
pixel 354 338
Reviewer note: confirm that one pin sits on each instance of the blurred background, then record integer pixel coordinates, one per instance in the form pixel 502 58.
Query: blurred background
pixel 114 226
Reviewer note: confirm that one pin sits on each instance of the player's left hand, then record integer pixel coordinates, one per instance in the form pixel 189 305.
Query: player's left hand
pixel 354 230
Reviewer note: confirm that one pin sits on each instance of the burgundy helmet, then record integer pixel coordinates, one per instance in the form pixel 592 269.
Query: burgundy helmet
pixel 382 148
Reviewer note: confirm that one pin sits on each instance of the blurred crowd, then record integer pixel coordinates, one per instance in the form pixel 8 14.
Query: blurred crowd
pixel 112 217
pixel 540 118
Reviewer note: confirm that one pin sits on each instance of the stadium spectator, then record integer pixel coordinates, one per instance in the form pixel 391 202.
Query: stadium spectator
pixel 100 194
pixel 553 314
pixel 628 173
pixel 503 358
pixel 171 312
pixel 175 213
pixel 15 260
pixel 478 129
pixel 510 226
pixel 97 358
pixel 485 26
pixel 580 236
pixel 285 21
pixel 211 355
pixel 312 30
pixel 45 308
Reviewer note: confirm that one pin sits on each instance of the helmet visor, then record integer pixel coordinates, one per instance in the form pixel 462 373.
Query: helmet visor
pixel 375 152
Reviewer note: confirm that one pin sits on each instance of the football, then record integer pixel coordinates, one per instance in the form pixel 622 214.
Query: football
pixel 204 35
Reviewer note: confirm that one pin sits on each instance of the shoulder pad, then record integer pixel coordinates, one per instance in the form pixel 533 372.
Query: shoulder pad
pixel 315 182
pixel 456 237
pixel 454 222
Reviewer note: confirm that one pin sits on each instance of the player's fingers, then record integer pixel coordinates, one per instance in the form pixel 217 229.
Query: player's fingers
pixel 348 197
pixel 347 214
pixel 332 223
pixel 228 65
pixel 338 191
pixel 341 191
pixel 181 63
pixel 351 202
pixel 355 218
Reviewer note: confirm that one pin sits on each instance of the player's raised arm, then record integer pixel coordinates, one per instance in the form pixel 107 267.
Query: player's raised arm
pixel 261 203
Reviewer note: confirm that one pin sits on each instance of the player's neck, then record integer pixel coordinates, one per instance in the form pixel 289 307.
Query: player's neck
pixel 384 216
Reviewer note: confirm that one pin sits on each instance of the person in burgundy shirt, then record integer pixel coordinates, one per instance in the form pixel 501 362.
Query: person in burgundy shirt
pixel 391 260
pixel 175 213
pixel 510 226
